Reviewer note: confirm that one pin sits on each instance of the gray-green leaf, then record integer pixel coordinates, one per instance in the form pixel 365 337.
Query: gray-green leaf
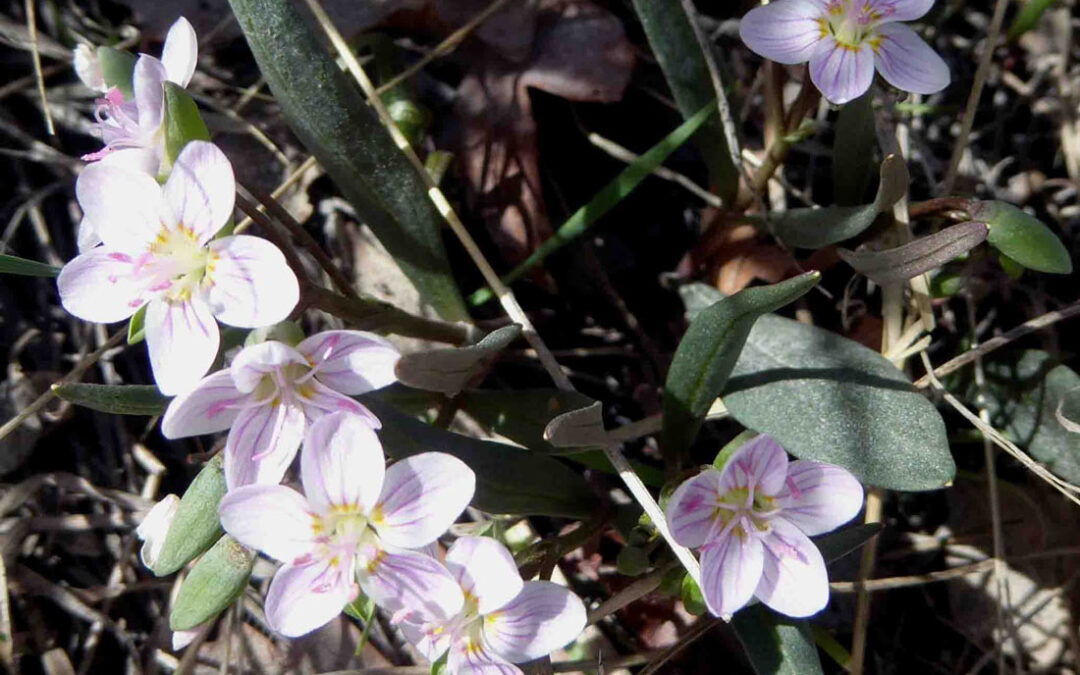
pixel 450 370
pixel 917 257
pixel 215 581
pixel 521 415
pixel 119 399
pixel 1023 237
pixel 196 525
pixel 776 646
pixel 10 264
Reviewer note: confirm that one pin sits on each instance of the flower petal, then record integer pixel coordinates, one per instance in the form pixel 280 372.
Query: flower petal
pixel 86 237
pixel 147 83
pixel 319 399
pixel 411 585
pixel 88 68
pixel 305 597
pixel 542 618
pixel 730 571
pixel 180 52
pixel 793 581
pixel 125 205
pixel 99 286
pixel 256 361
pixel 210 407
pixel 182 338
pixel 262 444
pixel 760 462
pixel 421 497
pixel 785 31
pixel 271 518
pixel 342 463
pixel 485 570
pixel 155 527
pixel 253 286
pixel 352 361
pixel 201 189
pixel 691 511
pixel 840 72
pixel 431 639
pixel 471 657
pixel 908 63
pixel 900 10
pixel 819 497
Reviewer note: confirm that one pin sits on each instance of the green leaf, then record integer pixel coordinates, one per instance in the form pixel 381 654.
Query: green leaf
pixel 213 583
pixel 449 370
pixel 119 399
pixel 1023 237
pixel 836 545
pixel 678 52
pixel 611 194
pixel 632 561
pixel 775 645
pixel 362 608
pixel 522 415
pixel 183 123
pixel 286 332
pixel 1028 17
pixel 137 326
pixel 196 525
pixel 692 599
pixel 332 119
pixel 509 480
pixel 708 351
pixel 817 228
pixel 10 264
pixel 853 150
pixel 917 257
pixel 598 461
pixel 722 457
pixel 117 68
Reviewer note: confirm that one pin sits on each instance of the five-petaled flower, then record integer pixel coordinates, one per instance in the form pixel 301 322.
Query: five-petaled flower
pixel 502 620
pixel 356 524
pixel 844 40
pixel 160 251
pixel 753 522
pixel 273 391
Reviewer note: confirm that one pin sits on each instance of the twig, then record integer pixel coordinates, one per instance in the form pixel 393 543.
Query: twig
pixel 632 593
pixel 292 178
pixel 871 585
pixel 862 598
pixel 702 626
pixel 620 153
pixel 31 25
pixel 973 98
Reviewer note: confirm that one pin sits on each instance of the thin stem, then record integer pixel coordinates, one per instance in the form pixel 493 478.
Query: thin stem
pixel 31 26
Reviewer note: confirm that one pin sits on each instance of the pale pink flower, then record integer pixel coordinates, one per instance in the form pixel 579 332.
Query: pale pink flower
pixel 160 251
pixel 356 525
pixel 844 40
pixel 753 522
pixel 88 68
pixel 182 638
pixel 154 528
pixel 272 392
pixel 503 620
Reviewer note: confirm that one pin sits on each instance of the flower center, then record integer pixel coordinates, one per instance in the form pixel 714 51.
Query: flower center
pixel 745 511
pixel 850 22
pixel 283 381
pixel 176 262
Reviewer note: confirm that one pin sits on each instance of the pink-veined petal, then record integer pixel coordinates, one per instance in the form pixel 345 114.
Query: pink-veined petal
pixel 542 618
pixel 99 286
pixel 262 444
pixel 201 189
pixel 730 571
pixel 431 640
pixel 148 82
pixel 793 581
pixel 411 585
pixel 86 236
pixel 305 597
pixel 88 67
pixel 145 160
pixel 155 527
pixel 273 519
pixel 819 497
pixel 319 399
pixel 182 338
pixel 691 511
pixel 252 284
pixel 125 205
pixel 256 361
pixel 900 10
pixel 785 31
pixel 180 53
pixel 211 406
pixel 842 73
pixel 352 361
pixel 485 570
pixel 470 656
pixel 908 63
pixel 342 463
pixel 182 638
pixel 760 462
pixel 421 497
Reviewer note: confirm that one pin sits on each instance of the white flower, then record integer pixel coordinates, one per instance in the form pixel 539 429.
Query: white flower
pixel 154 528
pixel 88 68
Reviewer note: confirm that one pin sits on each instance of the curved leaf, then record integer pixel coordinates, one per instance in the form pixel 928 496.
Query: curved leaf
pixel 915 258
pixel 119 399
pixel 116 69
pixel 196 525
pixel 775 645
pixel 521 415
pixel 1023 237
pixel 183 123
pixel 215 581
pixel 449 370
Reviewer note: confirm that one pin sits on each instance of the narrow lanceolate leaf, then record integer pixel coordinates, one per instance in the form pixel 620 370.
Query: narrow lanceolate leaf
pixel 610 195
pixel 1028 17
pixel 215 581
pixel 509 480
pixel 10 264
pixel 817 228
pixel 183 123
pixel 578 429
pixel 1023 237
pixel 450 370
pixel 328 114
pixel 118 399
pixel 196 525
pixel 672 40
pixel 708 351
pixel 836 545
pixel 116 69
pixel 853 151
pixel 922 255
pixel 774 644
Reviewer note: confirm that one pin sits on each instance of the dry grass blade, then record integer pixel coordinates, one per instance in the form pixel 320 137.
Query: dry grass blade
pixel 872 585
pixel 31 25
